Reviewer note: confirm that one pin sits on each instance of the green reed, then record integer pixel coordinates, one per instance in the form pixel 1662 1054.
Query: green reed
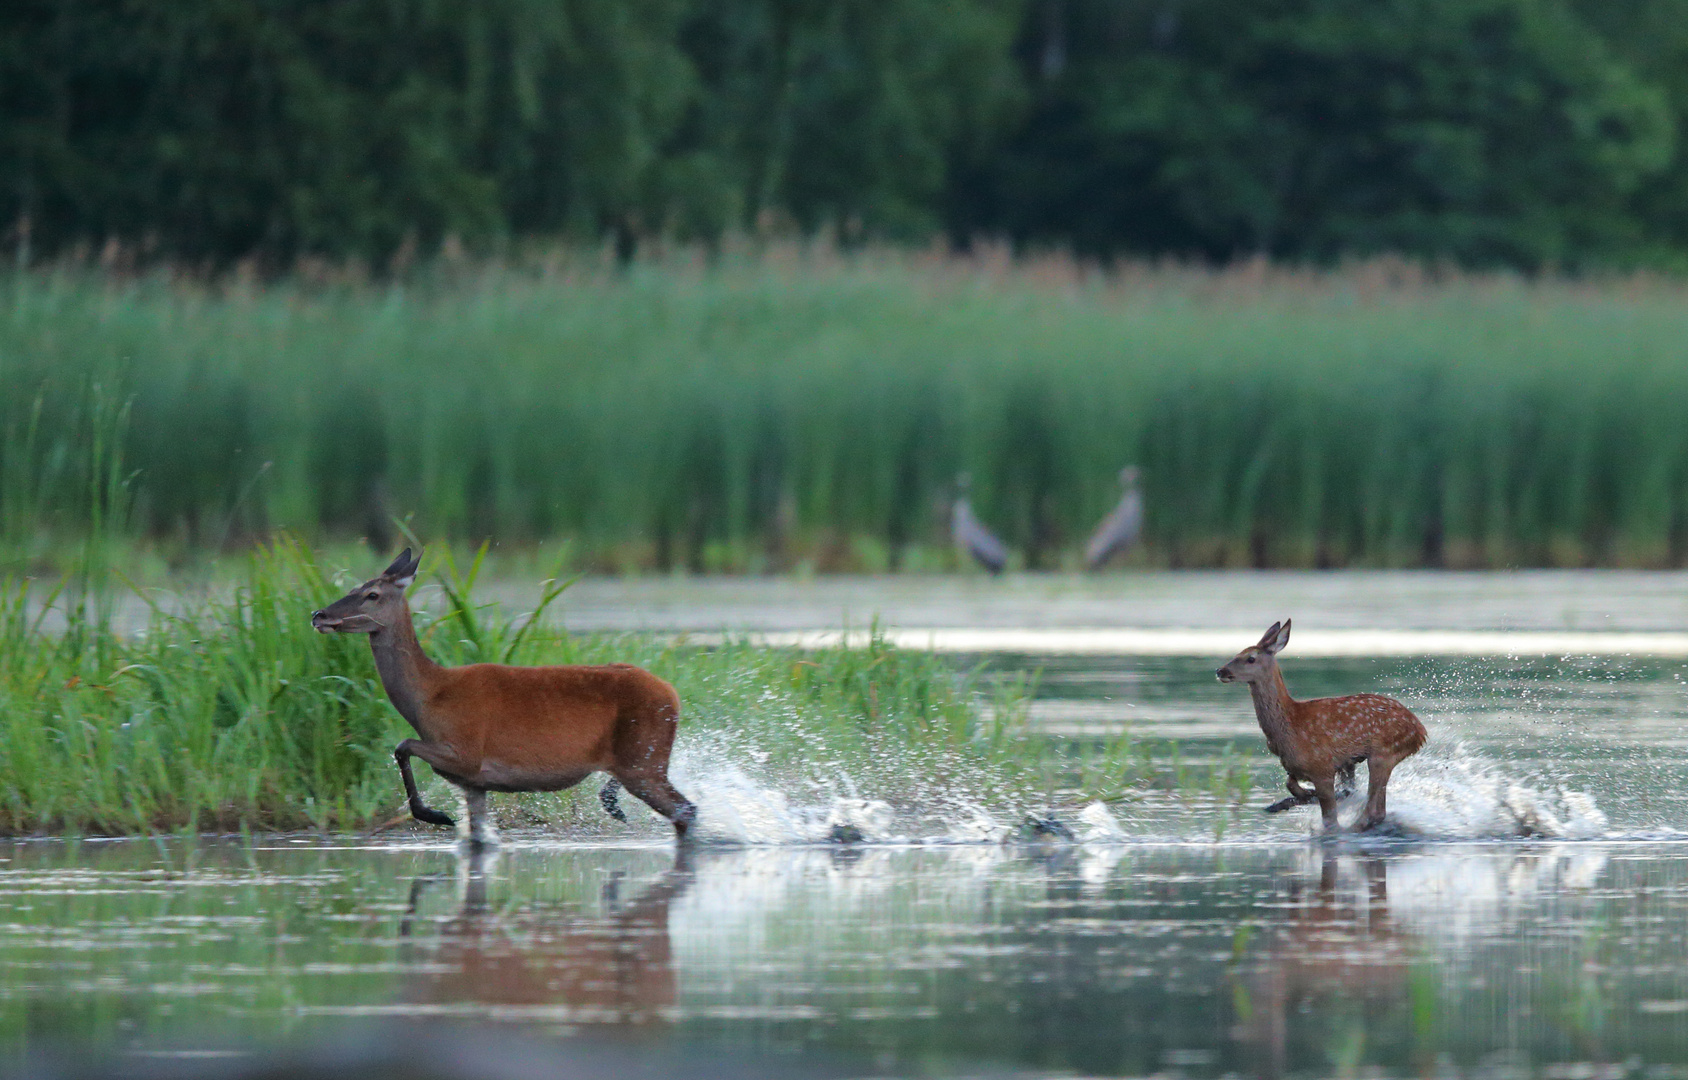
pixel 783 411
pixel 230 712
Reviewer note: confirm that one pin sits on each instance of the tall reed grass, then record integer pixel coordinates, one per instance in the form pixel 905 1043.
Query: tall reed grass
pixel 765 412
pixel 238 715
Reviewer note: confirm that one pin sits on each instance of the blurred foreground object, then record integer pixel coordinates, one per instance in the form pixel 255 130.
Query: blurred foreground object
pixel 415 1052
pixel 1120 529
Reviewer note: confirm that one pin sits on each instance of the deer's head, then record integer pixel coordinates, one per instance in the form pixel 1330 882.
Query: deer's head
pixel 373 606
pixel 1258 660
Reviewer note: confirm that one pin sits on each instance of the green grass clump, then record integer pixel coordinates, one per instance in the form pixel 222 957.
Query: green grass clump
pixel 774 412
pixel 240 716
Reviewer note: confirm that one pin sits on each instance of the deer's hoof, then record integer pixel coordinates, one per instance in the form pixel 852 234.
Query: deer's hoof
pixel 430 817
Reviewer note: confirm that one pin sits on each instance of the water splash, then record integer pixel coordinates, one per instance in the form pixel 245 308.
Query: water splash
pixel 1451 792
pixel 744 799
pixel 1099 826
pixel 1456 793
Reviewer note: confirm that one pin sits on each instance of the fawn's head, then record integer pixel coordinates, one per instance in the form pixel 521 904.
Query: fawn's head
pixel 1258 660
pixel 375 605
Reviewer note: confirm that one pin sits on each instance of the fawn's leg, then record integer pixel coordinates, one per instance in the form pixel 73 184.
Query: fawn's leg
pixel 1378 795
pixel 1298 796
pixel 1345 777
pixel 1324 788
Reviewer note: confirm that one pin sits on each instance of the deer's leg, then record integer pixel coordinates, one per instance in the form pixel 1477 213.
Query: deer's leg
pixel 480 832
pixel 607 799
pixel 1345 777
pixel 1324 788
pixel 1378 795
pixel 656 792
pixel 1298 796
pixel 442 763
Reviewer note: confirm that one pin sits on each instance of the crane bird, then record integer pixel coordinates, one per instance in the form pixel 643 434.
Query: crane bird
pixel 971 536
pixel 1121 527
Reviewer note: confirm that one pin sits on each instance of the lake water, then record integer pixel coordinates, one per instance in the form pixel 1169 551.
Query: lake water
pixel 1531 919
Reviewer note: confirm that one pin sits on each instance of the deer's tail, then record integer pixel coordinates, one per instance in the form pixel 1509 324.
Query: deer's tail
pixel 606 795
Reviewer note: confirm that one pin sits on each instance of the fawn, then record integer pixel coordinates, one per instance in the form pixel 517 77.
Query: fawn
pixel 1320 738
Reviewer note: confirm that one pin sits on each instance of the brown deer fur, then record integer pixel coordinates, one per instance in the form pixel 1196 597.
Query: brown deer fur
pixel 1317 739
pixel 494 727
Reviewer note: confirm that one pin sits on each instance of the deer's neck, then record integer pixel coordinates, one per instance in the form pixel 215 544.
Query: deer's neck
pixel 1272 705
pixel 405 670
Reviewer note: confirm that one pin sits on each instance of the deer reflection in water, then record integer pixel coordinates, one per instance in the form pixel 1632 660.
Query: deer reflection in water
pixel 1332 952
pixel 550 964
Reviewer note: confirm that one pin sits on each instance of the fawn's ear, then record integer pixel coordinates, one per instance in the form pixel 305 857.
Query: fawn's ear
pixel 1266 638
pixel 403 570
pixel 1276 638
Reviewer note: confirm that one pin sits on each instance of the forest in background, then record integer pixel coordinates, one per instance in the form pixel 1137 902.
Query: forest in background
pixel 745 285
pixel 1520 133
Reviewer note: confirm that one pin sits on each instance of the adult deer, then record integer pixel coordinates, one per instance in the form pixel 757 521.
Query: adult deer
pixel 494 727
pixel 1317 739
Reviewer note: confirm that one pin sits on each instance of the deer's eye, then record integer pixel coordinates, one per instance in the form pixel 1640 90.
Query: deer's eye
pixel 372 596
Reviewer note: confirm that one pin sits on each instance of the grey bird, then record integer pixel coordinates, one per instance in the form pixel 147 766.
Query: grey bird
pixel 971 536
pixel 1121 527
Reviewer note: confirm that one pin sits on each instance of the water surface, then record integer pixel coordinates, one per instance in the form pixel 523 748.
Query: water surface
pixel 1526 918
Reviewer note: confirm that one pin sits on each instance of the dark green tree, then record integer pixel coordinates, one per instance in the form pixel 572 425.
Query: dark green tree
pixel 850 115
pixel 1488 131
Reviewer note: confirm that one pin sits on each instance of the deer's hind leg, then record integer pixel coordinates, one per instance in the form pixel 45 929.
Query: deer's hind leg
pixel 654 790
pixel 1378 793
pixel 1345 777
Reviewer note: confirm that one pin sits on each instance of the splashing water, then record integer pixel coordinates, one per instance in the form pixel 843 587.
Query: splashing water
pixel 1452 792
pixel 744 799
pixel 1100 826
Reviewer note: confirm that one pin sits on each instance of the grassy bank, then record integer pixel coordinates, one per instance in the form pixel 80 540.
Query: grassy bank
pixel 242 717
pixel 790 411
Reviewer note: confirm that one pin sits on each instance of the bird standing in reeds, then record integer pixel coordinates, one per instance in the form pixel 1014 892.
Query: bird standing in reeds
pixel 1121 528
pixel 970 535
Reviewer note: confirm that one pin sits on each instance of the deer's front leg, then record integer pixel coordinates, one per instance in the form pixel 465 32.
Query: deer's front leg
pixel 441 761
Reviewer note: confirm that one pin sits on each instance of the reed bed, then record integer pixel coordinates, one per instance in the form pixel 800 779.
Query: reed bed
pixel 239 716
pixel 787 411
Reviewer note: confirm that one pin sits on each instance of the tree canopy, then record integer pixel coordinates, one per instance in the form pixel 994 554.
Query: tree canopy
pixel 1492 132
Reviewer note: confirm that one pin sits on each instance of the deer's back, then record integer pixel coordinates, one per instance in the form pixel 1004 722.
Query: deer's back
pixel 1358 725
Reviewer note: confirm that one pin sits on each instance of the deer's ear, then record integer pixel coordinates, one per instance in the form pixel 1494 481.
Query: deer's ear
pixel 1276 638
pixel 403 570
pixel 1265 641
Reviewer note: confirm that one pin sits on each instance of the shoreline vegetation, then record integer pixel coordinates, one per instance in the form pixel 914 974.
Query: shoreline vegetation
pixel 766 408
pixel 240 717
